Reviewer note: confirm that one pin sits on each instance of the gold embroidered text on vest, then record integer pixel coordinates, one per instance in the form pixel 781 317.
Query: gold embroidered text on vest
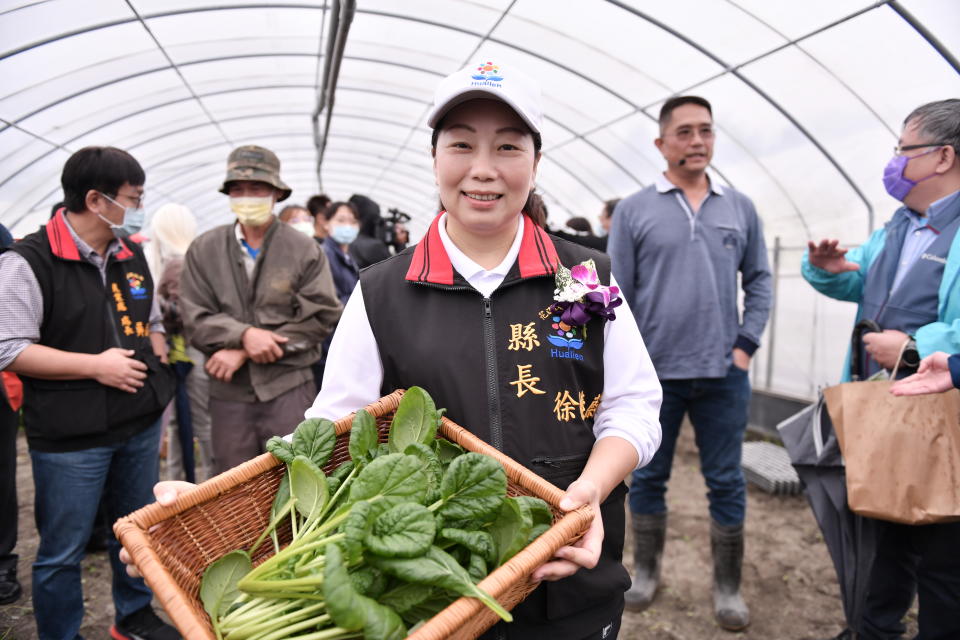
pixel 523 337
pixel 525 382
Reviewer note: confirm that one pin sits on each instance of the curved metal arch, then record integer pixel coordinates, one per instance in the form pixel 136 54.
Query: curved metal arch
pixel 638 108
pixel 161 105
pixel 925 34
pixel 204 176
pixel 203 171
pixel 440 25
pixel 160 14
pixel 796 43
pixel 763 94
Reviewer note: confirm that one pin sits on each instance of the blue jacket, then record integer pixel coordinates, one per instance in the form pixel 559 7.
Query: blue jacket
pixel 943 335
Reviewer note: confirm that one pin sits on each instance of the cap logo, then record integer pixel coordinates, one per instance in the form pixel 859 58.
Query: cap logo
pixel 487 75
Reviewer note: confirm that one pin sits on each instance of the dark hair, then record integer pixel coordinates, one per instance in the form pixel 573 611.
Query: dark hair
pixel 666 111
pixel 938 122
pixel 609 206
pixel 103 169
pixel 288 210
pixel 317 204
pixel 534 206
pixel 333 207
pixel 580 224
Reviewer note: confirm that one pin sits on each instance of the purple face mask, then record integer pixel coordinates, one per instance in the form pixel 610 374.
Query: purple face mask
pixel 893 179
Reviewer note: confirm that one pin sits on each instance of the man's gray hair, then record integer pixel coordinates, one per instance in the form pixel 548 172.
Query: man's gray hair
pixel 938 122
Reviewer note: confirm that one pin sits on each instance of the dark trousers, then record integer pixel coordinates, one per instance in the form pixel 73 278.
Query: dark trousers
pixel 240 430
pixel 8 485
pixel 718 410
pixel 915 560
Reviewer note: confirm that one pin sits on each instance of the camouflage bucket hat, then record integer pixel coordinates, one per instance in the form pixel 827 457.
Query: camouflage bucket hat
pixel 251 162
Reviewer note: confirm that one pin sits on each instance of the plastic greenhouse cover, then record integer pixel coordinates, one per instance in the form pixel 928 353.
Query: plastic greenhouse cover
pixel 808 100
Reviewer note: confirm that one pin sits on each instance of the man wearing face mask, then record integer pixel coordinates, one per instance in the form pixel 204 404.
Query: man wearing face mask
pixel 905 280
pixel 258 299
pixel 80 324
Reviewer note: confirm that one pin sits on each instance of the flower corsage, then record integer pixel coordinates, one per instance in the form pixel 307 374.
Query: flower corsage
pixel 580 297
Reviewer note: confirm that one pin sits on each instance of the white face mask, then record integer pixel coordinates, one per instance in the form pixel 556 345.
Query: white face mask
pixel 254 212
pixel 305 227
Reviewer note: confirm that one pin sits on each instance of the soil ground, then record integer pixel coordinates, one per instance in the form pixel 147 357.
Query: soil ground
pixel 788 579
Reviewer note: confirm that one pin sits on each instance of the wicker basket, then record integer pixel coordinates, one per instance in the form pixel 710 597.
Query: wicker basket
pixel 172 546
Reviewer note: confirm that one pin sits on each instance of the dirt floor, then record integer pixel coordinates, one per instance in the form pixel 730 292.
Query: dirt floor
pixel 789 581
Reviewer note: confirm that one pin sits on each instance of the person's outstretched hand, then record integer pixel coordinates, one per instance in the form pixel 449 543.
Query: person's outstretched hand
pixel 166 493
pixel 933 376
pixel 586 551
pixel 830 257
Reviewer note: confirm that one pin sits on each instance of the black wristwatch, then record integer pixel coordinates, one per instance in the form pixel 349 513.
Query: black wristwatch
pixel 911 357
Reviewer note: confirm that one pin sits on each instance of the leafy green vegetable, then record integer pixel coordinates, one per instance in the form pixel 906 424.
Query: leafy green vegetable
pixel 477 568
pixel 281 448
pixel 406 596
pixel 478 542
pixel 389 480
pixel 363 437
pixel 315 438
pixel 431 466
pixel 353 611
pixel 404 531
pixel 473 486
pixel 355 528
pixel 511 529
pixel 438 569
pixel 414 422
pixel 309 486
pixel 218 587
pixel 447 450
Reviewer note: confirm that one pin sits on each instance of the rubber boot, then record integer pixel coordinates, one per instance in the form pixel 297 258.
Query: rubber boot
pixel 727 545
pixel 649 532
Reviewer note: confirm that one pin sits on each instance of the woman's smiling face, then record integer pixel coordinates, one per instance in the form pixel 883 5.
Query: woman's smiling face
pixel 485 164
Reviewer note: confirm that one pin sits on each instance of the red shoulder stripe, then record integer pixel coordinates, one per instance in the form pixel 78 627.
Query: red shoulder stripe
pixel 61 242
pixel 538 256
pixel 430 260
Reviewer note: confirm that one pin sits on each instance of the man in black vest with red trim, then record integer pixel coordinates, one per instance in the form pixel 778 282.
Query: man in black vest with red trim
pixel 80 325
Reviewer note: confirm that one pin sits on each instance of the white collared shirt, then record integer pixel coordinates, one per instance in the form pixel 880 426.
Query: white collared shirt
pixel 630 408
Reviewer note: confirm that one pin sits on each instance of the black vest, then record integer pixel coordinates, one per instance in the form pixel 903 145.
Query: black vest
pixel 507 372
pixel 80 315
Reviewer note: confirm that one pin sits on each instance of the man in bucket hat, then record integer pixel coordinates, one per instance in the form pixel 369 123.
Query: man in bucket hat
pixel 258 300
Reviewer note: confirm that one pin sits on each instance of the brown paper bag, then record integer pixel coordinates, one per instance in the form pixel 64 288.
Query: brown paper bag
pixel 902 454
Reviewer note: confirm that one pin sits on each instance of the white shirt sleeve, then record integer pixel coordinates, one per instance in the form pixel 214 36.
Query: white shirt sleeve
pixel 353 373
pixel 630 408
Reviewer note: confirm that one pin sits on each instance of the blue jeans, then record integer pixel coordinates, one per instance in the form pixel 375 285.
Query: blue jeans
pixel 718 409
pixel 68 488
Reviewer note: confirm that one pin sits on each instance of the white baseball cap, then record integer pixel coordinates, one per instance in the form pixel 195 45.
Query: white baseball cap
pixel 489 80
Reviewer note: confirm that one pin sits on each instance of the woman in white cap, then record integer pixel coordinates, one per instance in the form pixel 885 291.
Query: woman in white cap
pixel 514 333
pixel 473 318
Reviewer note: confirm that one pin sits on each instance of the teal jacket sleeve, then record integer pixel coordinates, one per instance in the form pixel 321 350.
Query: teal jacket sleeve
pixel 848 285
pixel 944 335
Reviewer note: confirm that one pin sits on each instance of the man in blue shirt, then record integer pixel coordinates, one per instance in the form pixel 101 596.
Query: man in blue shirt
pixel 676 248
pixel 904 279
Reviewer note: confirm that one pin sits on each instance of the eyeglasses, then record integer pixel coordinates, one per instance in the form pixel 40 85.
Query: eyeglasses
pixel 899 149
pixel 136 199
pixel 686 134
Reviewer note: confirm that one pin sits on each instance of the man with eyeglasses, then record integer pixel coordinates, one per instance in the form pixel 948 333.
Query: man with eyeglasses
pixel 257 298
pixel 80 325
pixel 904 279
pixel 677 248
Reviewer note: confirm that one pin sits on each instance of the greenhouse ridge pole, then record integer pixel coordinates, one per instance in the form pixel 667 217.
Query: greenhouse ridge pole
pixel 341 17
